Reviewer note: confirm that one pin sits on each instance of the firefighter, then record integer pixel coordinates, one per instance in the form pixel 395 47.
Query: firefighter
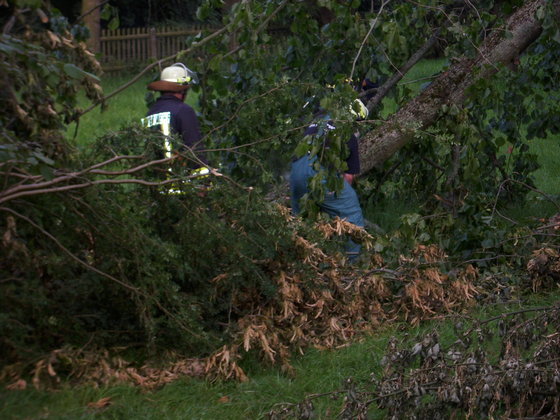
pixel 171 115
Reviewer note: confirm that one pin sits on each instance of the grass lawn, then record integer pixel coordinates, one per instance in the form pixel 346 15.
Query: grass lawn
pixel 547 177
pixel 315 372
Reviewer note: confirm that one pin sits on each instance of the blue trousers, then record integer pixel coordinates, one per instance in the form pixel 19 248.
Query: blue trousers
pixel 343 204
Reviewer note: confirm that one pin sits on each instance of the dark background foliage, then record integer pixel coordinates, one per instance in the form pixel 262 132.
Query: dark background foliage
pixel 141 13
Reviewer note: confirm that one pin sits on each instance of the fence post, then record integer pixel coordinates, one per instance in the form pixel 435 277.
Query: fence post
pixel 153 44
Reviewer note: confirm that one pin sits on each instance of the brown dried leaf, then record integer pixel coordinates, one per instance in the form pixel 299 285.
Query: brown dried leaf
pixel 100 404
pixel 50 370
pixel 18 385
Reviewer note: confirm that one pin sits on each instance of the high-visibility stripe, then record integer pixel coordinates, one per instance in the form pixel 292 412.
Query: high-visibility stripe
pixel 162 118
pixel 167 147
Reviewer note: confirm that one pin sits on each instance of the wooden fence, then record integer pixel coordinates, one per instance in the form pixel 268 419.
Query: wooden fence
pixel 124 48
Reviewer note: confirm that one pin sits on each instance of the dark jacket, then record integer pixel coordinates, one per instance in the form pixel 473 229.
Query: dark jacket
pixel 183 121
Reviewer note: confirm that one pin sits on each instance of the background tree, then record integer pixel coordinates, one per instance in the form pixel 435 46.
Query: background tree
pixel 91 15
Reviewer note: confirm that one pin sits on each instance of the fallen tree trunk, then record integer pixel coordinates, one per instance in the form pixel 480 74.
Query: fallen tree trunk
pixel 502 47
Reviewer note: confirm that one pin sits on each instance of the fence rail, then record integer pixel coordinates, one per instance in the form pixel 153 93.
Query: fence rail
pixel 123 48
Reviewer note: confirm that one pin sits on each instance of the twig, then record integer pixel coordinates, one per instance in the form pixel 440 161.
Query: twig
pixel 241 146
pixel 551 225
pixel 501 187
pixel 238 110
pixel 417 80
pixel 91 183
pixel 103 3
pixel 474 8
pixel 495 257
pixel 371 26
pixel 9 25
pixel 398 75
pixel 14 192
pixel 509 219
pixel 396 274
pixel 521 311
pixel 432 163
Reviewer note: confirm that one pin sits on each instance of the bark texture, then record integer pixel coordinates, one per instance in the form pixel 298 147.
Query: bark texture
pixel 450 87
pixel 92 20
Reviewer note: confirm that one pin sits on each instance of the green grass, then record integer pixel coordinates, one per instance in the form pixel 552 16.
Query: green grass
pixel 416 78
pixel 315 372
pixel 547 177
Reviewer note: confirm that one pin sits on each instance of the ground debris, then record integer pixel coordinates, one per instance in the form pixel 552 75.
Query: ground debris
pixel 329 309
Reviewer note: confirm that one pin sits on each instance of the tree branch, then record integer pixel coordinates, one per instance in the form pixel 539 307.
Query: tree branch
pixel 5 194
pixel 450 87
pixel 83 15
pixel 371 26
pixel 398 75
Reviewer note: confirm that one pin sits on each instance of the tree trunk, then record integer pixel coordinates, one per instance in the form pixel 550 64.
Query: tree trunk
pixel 91 13
pixel 450 87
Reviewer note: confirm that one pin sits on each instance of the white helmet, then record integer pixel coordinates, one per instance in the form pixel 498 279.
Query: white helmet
pixel 179 73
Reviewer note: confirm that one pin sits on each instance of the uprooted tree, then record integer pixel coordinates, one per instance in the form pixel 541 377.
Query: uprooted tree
pixel 97 252
pixel 502 47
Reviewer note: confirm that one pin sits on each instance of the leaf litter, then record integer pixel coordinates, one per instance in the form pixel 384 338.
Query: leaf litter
pixel 329 309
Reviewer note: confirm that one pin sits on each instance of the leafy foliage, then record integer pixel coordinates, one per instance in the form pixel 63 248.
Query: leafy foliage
pixel 162 251
pixel 110 262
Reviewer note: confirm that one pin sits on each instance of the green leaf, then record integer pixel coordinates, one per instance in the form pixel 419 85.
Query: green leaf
pixel 487 243
pixel 113 23
pixel 43 158
pixel 215 62
pixel 106 12
pixel 301 149
pixel 73 71
pixel 77 73
pixel 424 237
pixel 10 48
pixel 47 172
